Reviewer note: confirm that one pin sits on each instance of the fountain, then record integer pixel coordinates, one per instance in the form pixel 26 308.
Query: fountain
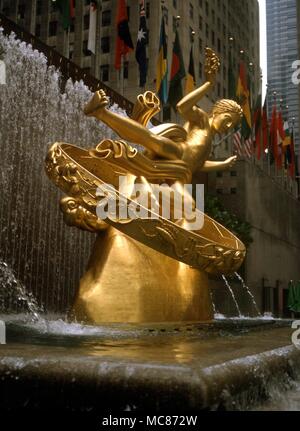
pixel 137 331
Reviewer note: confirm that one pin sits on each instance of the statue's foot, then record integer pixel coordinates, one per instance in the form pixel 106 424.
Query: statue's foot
pixel 98 102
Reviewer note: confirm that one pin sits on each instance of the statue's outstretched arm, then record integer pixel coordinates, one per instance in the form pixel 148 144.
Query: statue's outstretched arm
pixel 186 105
pixel 219 166
pixel 130 130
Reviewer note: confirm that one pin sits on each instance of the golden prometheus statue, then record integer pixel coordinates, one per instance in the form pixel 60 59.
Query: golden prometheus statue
pixel 147 269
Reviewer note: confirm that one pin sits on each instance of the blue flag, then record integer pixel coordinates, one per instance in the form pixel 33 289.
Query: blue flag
pixel 142 41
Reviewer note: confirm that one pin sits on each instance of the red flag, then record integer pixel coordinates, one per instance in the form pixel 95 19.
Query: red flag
pixel 280 140
pixel 265 127
pixel 72 8
pixel 124 43
pixel 273 132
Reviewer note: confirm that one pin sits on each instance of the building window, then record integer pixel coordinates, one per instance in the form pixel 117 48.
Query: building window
pixel 233 191
pixel 21 11
pixel 105 45
pixel 71 51
pixel 175 4
pixel 39 7
pixel 52 28
pixel 213 39
pixel 148 10
pixel 104 72
pixel 126 70
pixel 200 3
pixel 219 191
pixel 174 24
pixel 200 70
pixel 106 18
pixel 85 50
pixel 191 11
pixel 200 44
pixel 233 173
pixel 38 30
pixel 200 23
pixel 213 16
pixel 86 22
pixel 167 113
pixel 206 8
pixel 53 7
pixel 219 174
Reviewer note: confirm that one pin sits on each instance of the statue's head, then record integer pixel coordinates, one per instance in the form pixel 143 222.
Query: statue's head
pixel 225 115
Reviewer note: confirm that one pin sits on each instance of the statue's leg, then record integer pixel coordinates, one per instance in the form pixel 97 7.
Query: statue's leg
pixel 131 131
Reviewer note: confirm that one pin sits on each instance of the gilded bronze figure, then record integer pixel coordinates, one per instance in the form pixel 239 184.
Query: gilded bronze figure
pixel 144 270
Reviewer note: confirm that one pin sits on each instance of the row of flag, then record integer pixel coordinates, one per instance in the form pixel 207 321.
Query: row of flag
pixel 258 137
pixel 124 45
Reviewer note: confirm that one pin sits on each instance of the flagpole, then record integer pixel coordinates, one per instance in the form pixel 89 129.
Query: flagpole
pixel 161 112
pixel 177 27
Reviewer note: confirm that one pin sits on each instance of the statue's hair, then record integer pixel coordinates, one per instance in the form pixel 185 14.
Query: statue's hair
pixel 226 105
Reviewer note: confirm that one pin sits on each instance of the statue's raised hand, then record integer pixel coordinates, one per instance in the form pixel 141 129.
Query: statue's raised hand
pixel 98 101
pixel 212 65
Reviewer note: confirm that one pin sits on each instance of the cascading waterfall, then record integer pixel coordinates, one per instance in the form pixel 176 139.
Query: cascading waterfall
pixel 249 292
pixel 13 295
pixel 232 295
pixel 43 254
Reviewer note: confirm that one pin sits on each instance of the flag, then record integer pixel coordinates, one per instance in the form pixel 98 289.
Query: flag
pixel 287 135
pixel 287 146
pixel 243 96
pixel 142 40
pixel 280 140
pixel 92 27
pixel 162 66
pixel 242 147
pixel 257 119
pixel 72 8
pixel 297 173
pixel 191 77
pixel 248 146
pixel 177 74
pixel 67 11
pixel 237 143
pixel 274 136
pixel 265 126
pixel 124 43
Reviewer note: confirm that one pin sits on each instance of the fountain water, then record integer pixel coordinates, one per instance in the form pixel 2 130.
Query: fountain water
pixel 232 295
pixel 240 278
pixel 13 296
pixel 33 114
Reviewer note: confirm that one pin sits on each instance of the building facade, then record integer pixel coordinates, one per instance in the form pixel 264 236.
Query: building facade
pixel 282 47
pixel 224 25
